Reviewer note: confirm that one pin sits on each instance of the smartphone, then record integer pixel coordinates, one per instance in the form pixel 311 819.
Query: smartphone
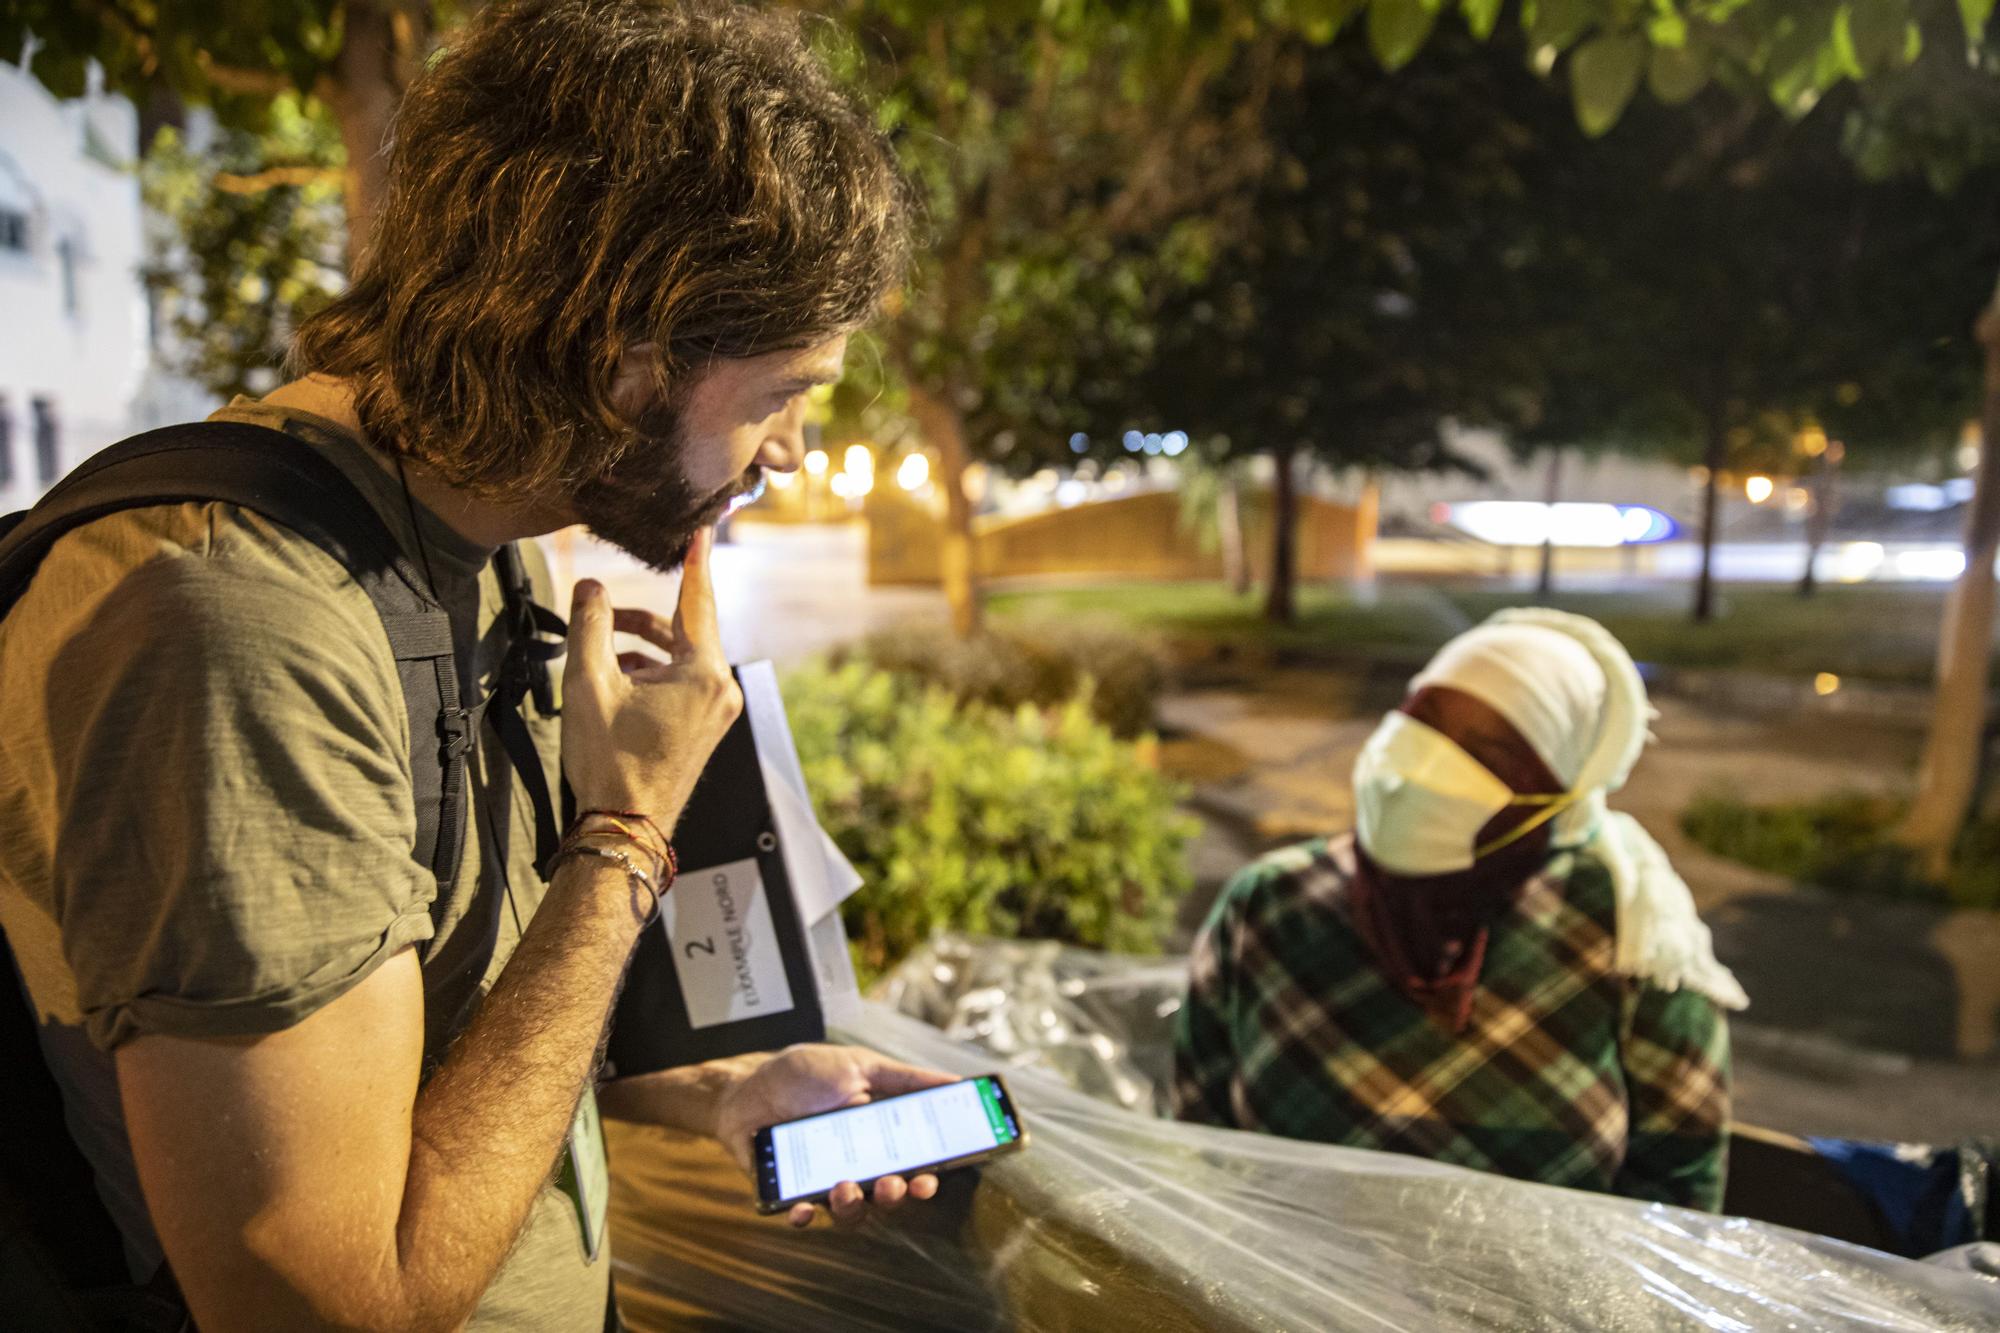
pixel 954 1124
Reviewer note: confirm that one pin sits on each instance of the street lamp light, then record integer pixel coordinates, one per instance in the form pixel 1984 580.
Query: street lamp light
pixel 816 462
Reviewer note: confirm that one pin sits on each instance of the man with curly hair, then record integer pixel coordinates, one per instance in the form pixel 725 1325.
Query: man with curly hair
pixel 320 1088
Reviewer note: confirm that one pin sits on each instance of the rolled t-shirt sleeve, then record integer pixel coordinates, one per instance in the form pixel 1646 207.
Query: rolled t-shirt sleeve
pixel 232 804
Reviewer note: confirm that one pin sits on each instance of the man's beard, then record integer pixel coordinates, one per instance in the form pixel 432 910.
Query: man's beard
pixel 645 506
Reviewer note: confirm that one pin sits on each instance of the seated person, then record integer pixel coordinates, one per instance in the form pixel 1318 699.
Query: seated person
pixel 1495 970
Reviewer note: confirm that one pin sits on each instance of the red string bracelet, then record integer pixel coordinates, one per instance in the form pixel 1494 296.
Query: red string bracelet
pixel 663 850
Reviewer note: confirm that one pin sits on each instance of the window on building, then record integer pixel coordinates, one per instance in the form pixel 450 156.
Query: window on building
pixel 66 262
pixel 17 207
pixel 48 453
pixel 6 441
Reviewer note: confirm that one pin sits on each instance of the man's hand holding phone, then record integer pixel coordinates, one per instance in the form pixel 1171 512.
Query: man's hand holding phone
pixel 807 1080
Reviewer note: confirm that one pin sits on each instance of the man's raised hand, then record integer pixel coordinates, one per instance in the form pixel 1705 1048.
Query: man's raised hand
pixel 638 729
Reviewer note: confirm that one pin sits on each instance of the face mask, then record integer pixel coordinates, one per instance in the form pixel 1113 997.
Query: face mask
pixel 1420 801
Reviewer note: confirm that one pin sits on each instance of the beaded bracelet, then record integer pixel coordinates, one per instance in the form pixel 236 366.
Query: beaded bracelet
pixel 632 869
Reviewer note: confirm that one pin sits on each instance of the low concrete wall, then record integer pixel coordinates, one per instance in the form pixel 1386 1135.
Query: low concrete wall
pixel 1139 536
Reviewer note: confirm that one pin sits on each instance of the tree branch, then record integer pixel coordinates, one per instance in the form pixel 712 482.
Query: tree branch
pixel 1175 149
pixel 231 79
pixel 140 32
pixel 272 177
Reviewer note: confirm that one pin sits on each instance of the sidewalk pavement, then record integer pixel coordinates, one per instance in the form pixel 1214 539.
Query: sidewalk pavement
pixel 782 592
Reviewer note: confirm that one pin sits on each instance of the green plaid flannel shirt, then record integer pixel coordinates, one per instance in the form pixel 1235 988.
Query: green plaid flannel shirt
pixel 1567 1074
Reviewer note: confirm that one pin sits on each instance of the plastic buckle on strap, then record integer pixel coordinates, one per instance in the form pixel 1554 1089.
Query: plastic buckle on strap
pixel 525 674
pixel 455 730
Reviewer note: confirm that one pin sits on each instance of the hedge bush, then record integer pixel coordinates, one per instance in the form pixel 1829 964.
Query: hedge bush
pixel 1843 843
pixel 1040 663
pixel 1033 823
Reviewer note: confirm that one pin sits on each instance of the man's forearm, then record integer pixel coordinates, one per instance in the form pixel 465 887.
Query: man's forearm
pixel 684 1099
pixel 487 1126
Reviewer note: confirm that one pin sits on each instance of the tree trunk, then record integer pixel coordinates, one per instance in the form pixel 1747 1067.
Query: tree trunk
pixel 381 42
pixel 1229 529
pixel 161 107
pixel 1819 518
pixel 1280 600
pixel 1367 527
pixel 939 423
pixel 1545 583
pixel 1950 767
pixel 1715 455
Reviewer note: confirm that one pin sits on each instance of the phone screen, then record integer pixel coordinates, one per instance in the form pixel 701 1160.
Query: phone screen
pixel 894 1136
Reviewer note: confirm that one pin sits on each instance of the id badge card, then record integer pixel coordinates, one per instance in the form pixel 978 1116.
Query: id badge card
pixel 586 1176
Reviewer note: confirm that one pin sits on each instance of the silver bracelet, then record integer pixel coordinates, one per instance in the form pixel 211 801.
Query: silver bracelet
pixel 632 871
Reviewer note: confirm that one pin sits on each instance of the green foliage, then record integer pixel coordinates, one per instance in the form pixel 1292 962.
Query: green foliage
pixel 1482 16
pixel 1557 23
pixel 1038 664
pixel 235 58
pixel 252 243
pixel 1843 843
pixel 1976 14
pixel 1074 162
pixel 1604 74
pixel 1928 76
pixel 1027 824
pixel 1676 74
pixel 1706 281
pixel 1938 115
pixel 1365 294
pixel 1208 475
pixel 1871 35
pixel 1397 29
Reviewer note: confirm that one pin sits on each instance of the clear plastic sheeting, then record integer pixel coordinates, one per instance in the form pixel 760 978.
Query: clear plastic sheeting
pixel 1115 1219
pixel 1100 1022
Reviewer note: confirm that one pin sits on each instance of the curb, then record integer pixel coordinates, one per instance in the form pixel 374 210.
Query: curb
pixel 1815 1055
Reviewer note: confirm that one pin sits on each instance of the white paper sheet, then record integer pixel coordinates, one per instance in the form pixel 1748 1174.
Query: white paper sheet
pixel 726 954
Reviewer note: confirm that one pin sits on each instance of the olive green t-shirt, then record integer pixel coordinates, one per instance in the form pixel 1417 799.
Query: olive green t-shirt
pixel 206 816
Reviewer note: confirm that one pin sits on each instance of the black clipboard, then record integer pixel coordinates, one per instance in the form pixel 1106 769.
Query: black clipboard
pixel 727 826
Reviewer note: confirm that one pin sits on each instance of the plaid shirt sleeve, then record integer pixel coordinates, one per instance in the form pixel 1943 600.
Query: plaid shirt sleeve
pixel 1204 1054
pixel 1676 1060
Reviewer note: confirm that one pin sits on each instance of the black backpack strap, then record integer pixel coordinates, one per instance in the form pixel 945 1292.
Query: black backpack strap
pixel 272 474
pixel 441 730
pixel 535 637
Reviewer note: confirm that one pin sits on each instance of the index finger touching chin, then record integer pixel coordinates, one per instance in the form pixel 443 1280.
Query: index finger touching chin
pixel 694 615
pixel 590 644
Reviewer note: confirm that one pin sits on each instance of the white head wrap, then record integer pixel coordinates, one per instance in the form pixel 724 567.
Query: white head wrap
pixel 1573 693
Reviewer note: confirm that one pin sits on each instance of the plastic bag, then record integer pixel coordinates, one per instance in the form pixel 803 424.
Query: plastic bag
pixel 1115 1219
pixel 1100 1022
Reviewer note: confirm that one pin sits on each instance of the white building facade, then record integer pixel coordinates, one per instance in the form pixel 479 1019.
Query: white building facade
pixel 73 316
